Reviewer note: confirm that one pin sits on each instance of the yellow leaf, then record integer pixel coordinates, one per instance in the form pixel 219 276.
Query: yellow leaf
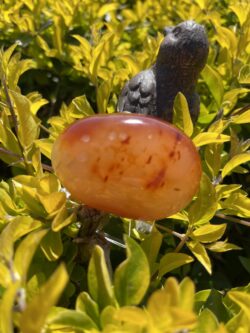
pixel 242 299
pixel 209 137
pixel 234 162
pixel 209 232
pixel 181 115
pixel 33 319
pixel 200 253
pixel 171 261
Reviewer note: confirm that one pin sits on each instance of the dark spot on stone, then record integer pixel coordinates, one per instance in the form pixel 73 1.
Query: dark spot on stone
pixel 158 180
pixel 171 154
pixel 121 172
pixel 106 178
pixel 149 159
pixel 126 141
pixel 177 189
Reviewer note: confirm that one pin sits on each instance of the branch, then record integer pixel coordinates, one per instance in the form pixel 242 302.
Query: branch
pixel 233 219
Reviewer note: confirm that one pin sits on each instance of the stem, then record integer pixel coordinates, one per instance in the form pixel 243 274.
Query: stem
pixel 183 241
pixel 45 129
pixel 20 158
pixel 170 231
pixel 233 219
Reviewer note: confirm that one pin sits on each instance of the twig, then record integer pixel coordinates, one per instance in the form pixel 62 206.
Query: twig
pixel 233 219
pixel 170 231
pixel 20 158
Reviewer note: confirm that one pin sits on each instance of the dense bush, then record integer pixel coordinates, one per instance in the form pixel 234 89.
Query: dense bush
pixel 64 60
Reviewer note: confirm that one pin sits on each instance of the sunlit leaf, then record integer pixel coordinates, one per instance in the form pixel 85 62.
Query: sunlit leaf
pixel 205 206
pixel 86 304
pixel 200 253
pixel 99 281
pixel 6 307
pixel 25 252
pixel 214 82
pixel 205 138
pixel 71 319
pixel 171 261
pixel 181 115
pixel 130 288
pixel 28 129
pixel 209 232
pixel 33 318
pixel 52 245
pixel 234 162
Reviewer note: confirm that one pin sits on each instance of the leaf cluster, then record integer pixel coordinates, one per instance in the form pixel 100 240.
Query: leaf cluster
pixel 63 266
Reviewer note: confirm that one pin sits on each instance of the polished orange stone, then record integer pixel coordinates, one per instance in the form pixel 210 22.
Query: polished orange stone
pixel 130 165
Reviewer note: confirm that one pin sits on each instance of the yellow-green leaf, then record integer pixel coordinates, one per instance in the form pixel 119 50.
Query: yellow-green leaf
pixel 181 115
pixel 52 245
pixel 206 138
pixel 214 82
pixel 28 129
pixel 200 253
pixel 222 246
pixel 25 252
pixel 99 282
pixel 209 232
pixel 171 261
pixel 234 162
pixel 205 206
pixel 131 287
pixel 6 308
pixel 33 319
pixel 242 299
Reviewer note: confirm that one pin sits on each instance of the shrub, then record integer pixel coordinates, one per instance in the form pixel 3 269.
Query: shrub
pixel 63 267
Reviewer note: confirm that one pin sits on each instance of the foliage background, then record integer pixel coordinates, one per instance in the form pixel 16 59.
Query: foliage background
pixel 64 60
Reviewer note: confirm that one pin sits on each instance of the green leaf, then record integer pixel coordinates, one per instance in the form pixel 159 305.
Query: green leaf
pixel 171 261
pixel 6 308
pixel 243 118
pixel 103 94
pixel 187 294
pixel 52 245
pixel 5 277
pixel 181 115
pixel 107 8
pixel 151 246
pixel 80 107
pixel 132 276
pixel 207 322
pixel 214 82
pixel 213 158
pixel 206 138
pixel 222 246
pixel 244 75
pixel 28 129
pixel 33 319
pixel 242 299
pixel 14 230
pixel 215 303
pixel 234 162
pixel 25 251
pixel 209 233
pixel 86 304
pixel 71 319
pixel 200 253
pixel 205 206
pixel 236 204
pixel 53 202
pixel 62 219
pixel 99 281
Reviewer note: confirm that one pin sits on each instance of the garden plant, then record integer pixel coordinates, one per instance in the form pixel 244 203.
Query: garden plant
pixel 66 267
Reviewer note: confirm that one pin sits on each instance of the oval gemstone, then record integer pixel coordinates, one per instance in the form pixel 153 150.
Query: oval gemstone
pixel 130 165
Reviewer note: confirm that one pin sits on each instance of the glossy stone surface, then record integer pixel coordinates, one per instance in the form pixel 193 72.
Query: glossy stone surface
pixel 130 165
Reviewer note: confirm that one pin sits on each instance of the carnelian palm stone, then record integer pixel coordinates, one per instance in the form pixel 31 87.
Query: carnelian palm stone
pixel 130 165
